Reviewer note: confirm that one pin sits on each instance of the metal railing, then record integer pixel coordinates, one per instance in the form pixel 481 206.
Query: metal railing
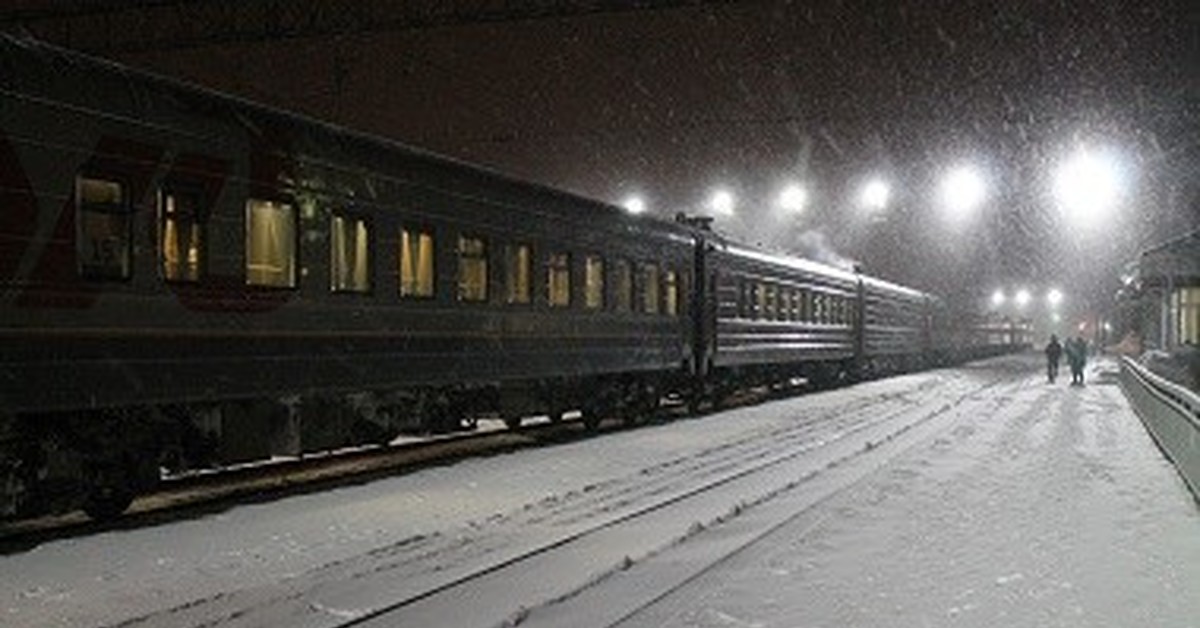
pixel 1171 413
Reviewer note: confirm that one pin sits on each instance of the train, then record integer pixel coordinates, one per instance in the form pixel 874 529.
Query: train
pixel 190 280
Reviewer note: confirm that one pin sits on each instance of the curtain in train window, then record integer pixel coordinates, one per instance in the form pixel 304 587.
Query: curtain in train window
pixel 517 267
pixel 1185 306
pixel 670 293
pixel 416 263
pixel 650 288
pixel 270 244
pixel 558 279
pixel 105 229
pixel 472 269
pixel 593 282
pixel 181 231
pixel 622 286
pixel 349 255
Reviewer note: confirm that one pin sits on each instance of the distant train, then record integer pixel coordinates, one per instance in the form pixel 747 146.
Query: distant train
pixel 188 280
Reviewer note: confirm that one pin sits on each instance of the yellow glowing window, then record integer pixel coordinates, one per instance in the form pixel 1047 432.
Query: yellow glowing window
pixel 558 279
pixel 416 263
pixel 105 229
pixel 180 236
pixel 270 244
pixel 349 255
pixel 622 286
pixel 670 293
pixel 517 267
pixel 650 288
pixel 593 282
pixel 472 269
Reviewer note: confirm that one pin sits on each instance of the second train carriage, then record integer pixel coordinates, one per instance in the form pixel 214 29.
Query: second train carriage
pixel 190 279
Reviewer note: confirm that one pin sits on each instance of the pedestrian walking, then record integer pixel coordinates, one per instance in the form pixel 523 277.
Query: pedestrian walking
pixel 1076 351
pixel 1053 353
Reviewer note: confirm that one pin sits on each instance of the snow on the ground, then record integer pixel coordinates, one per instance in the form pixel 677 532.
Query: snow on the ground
pixel 1056 509
pixel 1028 505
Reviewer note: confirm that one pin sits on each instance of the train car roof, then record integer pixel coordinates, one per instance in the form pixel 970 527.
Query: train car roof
pixel 819 268
pixel 323 138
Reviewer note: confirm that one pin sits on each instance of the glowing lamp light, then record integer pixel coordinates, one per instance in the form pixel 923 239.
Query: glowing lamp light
pixel 998 298
pixel 875 195
pixel 1023 298
pixel 963 190
pixel 634 205
pixel 721 203
pixel 1054 297
pixel 793 199
pixel 1086 188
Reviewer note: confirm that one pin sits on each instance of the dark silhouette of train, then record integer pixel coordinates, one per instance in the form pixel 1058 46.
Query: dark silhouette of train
pixel 188 279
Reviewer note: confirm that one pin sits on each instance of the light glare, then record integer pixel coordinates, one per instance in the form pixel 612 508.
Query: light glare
pixel 1022 298
pixel 635 205
pixel 793 199
pixel 1086 187
pixel 963 190
pixel 1054 297
pixel 875 194
pixel 722 202
pixel 998 298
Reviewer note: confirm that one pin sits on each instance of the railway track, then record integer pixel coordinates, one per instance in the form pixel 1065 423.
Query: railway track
pixel 427 578
pixel 195 493
pixel 192 494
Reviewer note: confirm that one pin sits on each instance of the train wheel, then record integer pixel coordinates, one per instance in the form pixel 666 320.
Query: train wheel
pixel 109 493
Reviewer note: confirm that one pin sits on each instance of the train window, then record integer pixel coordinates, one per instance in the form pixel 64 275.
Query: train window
pixel 593 282
pixel 818 305
pixel 518 260
pixel 472 268
pixel 349 255
pixel 670 293
pixel 558 279
pixel 649 276
pixel 181 235
pixel 270 244
pixel 105 229
pixel 622 286
pixel 416 263
pixel 805 308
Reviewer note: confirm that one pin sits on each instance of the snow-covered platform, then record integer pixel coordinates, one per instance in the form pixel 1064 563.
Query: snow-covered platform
pixel 975 496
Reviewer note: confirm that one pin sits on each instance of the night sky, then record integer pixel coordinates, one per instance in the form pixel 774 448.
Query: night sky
pixel 671 103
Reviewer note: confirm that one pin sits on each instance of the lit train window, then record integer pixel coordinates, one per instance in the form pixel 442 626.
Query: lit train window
pixel 270 244
pixel 472 269
pixel 670 293
pixel 416 263
pixel 349 255
pixel 181 235
pixel 558 279
pixel 517 268
pixel 593 282
pixel 649 282
pixel 105 229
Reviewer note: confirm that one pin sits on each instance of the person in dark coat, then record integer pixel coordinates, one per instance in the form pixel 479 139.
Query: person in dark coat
pixel 1053 353
pixel 1077 357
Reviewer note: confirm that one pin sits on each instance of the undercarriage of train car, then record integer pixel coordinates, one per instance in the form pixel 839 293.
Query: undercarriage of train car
pixel 98 460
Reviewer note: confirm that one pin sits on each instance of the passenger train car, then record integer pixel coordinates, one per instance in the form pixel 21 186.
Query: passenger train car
pixel 188 279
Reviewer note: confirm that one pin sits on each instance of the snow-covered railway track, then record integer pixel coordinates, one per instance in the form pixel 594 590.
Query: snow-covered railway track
pixel 188 494
pixel 490 571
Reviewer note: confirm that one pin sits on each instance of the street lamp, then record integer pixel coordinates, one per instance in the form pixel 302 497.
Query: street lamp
pixel 634 205
pixel 998 298
pixel 793 199
pixel 963 190
pixel 1086 187
pixel 721 203
pixel 1022 298
pixel 1054 297
pixel 875 195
